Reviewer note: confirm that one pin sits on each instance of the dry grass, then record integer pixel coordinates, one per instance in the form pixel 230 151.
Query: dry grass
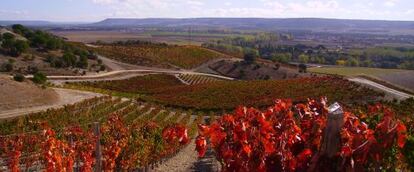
pixel 23 94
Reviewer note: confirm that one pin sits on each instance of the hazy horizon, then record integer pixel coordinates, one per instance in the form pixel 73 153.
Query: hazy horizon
pixel 98 10
pixel 95 21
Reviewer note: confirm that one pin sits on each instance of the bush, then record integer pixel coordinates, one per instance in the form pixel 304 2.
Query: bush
pixel 32 69
pixel 7 67
pixel 250 57
pixel 302 68
pixel 102 68
pixel 19 78
pixel 39 78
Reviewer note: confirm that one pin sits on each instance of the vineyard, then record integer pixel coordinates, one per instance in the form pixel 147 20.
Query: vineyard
pixel 196 79
pixel 307 137
pixel 159 55
pixel 139 85
pixel 169 91
pixel 228 95
pixel 120 134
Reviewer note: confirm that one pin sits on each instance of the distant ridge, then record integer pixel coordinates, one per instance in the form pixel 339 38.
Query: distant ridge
pixel 316 24
pixel 281 22
pixel 264 24
pixel 25 22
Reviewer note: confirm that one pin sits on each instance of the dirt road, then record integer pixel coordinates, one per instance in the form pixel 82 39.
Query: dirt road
pixel 389 91
pixel 65 97
pixel 187 161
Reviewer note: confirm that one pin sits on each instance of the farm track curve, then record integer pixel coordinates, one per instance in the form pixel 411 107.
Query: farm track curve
pixel 389 91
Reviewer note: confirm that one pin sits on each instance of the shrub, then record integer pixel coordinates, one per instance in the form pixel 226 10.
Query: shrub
pixel 39 78
pixel 250 57
pixel 7 67
pixel 32 69
pixel 102 68
pixel 19 77
pixel 302 68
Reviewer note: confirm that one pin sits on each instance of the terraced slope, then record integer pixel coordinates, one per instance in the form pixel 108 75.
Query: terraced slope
pixel 196 79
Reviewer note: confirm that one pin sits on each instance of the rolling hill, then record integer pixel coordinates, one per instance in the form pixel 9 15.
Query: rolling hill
pixel 312 24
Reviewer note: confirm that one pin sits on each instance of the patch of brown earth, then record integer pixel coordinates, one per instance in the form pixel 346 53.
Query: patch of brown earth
pixel 16 95
pixel 257 71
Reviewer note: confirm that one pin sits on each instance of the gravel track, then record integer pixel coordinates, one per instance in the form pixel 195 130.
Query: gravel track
pixel 389 91
pixel 187 161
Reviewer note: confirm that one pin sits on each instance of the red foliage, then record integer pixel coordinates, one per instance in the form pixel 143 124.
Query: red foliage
pixel 176 133
pixel 287 138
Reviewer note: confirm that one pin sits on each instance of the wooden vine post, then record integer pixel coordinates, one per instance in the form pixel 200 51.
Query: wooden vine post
pixel 331 140
pixel 98 152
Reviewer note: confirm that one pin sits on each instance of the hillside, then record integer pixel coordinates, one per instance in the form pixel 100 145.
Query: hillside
pixel 256 71
pixel 158 54
pixel 27 51
pixel 12 92
pixel 311 24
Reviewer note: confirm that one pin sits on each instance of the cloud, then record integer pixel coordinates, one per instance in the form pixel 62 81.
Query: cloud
pixel 390 3
pixel 261 8
pixel 14 14
pixel 104 2
pixel 194 2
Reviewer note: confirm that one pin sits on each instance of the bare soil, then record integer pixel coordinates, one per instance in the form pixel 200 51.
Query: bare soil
pixel 259 70
pixel 16 95
pixel 187 161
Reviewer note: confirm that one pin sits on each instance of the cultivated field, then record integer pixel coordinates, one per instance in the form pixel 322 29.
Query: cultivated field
pixel 230 94
pixel 159 55
pixel 105 36
pixel 398 77
pixel 177 38
pixel 137 85
pixel 196 79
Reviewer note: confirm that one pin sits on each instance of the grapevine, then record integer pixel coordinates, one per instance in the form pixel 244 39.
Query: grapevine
pixel 287 137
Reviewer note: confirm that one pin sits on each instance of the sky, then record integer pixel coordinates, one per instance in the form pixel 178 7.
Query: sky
pixel 96 10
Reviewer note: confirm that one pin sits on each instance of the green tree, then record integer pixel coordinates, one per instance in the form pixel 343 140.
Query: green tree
pixel 8 36
pixel 352 62
pixel 8 44
pixel 320 60
pixel 39 39
pixel 21 30
pixel 19 48
pixel 303 58
pixel 83 62
pixel 39 78
pixel 366 63
pixel 69 59
pixel 281 57
pixel 53 44
pixel 250 56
